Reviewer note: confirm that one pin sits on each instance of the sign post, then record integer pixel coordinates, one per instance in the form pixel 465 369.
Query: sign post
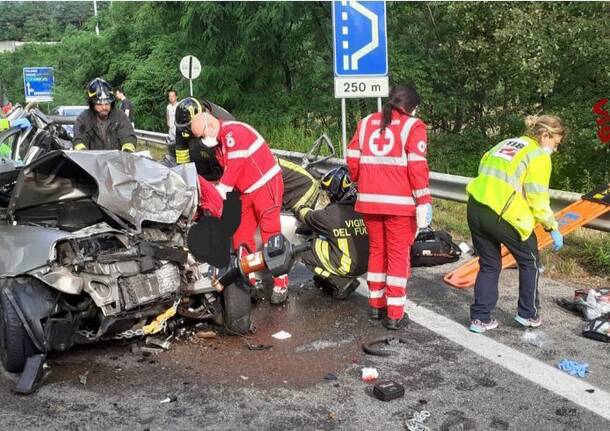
pixel 190 67
pixel 360 52
pixel 38 84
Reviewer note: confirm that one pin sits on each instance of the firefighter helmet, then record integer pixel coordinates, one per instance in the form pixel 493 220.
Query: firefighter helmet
pixel 185 111
pixel 99 91
pixel 338 184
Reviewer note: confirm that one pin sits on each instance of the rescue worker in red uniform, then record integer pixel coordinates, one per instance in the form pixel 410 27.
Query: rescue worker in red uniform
pixel 387 158
pixel 248 167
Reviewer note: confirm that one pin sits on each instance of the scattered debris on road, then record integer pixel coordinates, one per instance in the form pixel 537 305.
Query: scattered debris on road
pixel 388 390
pixel 282 335
pixel 536 338
pixel 330 376
pixel 369 374
pixel 206 334
pixel 390 340
pixel 158 341
pixel 416 422
pixel 82 378
pixel 169 399
pixel 573 368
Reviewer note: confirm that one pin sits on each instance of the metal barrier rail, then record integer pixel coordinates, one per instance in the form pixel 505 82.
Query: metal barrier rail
pixel 443 186
pixel 144 136
pixel 453 187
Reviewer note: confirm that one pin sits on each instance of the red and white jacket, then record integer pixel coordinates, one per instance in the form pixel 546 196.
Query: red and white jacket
pixel 390 167
pixel 245 157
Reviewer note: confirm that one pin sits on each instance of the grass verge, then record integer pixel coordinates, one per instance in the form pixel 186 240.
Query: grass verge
pixel 585 258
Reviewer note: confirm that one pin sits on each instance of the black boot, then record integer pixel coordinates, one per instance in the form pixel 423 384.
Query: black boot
pixel 396 324
pixel 346 290
pixel 377 313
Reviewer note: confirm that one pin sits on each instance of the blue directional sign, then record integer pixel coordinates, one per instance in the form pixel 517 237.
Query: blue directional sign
pixel 38 84
pixel 360 41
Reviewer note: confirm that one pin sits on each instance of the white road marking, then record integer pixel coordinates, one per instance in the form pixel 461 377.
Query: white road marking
pixel 544 375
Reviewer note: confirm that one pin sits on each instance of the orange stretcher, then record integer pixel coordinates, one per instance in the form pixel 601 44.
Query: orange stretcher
pixel 591 206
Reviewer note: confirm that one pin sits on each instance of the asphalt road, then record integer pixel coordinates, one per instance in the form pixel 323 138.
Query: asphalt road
pixel 465 381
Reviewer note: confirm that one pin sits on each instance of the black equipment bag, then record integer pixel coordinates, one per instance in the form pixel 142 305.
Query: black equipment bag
pixel 433 248
pixel 598 329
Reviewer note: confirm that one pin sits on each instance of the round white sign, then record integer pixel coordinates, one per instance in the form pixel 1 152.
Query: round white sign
pixel 190 67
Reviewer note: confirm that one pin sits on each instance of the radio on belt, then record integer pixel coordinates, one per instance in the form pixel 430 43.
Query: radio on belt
pixel 388 390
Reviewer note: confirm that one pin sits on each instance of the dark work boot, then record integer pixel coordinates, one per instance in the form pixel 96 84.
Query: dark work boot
pixel 396 324
pixel 377 313
pixel 346 290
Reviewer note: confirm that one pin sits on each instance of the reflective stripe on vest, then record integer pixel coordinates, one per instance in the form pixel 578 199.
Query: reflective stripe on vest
pixel 263 180
pixel 386 199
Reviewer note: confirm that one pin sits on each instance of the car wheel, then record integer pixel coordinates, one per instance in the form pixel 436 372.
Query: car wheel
pixel 237 308
pixel 15 343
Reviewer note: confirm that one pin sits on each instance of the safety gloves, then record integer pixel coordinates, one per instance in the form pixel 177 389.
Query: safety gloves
pixel 423 215
pixel 128 147
pixel 557 239
pixel 22 123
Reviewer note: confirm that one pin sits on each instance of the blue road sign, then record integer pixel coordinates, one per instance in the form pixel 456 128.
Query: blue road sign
pixel 38 84
pixel 360 41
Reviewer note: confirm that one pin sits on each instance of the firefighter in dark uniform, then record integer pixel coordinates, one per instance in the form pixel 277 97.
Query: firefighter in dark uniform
pixel 103 126
pixel 339 251
pixel 189 148
pixel 301 189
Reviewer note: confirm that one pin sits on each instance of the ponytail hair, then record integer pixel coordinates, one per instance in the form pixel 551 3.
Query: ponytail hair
pixel 536 125
pixel 402 98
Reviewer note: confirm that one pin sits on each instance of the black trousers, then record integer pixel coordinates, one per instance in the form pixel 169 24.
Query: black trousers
pixel 488 233
pixel 311 261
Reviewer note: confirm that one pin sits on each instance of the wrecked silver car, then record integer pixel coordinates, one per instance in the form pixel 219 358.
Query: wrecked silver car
pixel 93 246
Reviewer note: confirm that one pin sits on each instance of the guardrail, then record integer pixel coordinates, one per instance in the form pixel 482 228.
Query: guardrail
pixel 144 136
pixel 443 186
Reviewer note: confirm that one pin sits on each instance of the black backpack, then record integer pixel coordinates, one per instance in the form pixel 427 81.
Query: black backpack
pixel 433 248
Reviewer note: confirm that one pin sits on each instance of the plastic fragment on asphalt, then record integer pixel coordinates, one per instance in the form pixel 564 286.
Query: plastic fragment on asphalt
pixel 369 374
pixel 258 346
pixel 573 368
pixel 157 341
pixel 82 378
pixel 464 247
pixel 243 377
pixel 416 422
pixel 170 399
pixel 330 376
pixel 282 335
pixel 536 338
pixel 206 334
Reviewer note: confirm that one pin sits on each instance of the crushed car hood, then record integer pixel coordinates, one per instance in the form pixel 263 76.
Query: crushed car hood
pixel 131 186
pixel 27 248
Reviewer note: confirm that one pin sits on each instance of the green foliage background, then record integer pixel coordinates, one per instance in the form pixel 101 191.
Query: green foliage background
pixel 480 68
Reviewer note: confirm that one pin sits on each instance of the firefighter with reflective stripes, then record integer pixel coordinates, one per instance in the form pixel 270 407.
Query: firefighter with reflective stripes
pixel 387 158
pixel 506 200
pixel 340 249
pixel 301 189
pixel 103 126
pixel 249 168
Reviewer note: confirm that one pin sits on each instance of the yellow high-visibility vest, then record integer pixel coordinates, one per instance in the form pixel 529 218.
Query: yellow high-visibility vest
pixel 513 181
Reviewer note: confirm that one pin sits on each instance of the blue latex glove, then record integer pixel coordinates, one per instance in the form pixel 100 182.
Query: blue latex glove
pixel 557 239
pixel 573 368
pixel 22 123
